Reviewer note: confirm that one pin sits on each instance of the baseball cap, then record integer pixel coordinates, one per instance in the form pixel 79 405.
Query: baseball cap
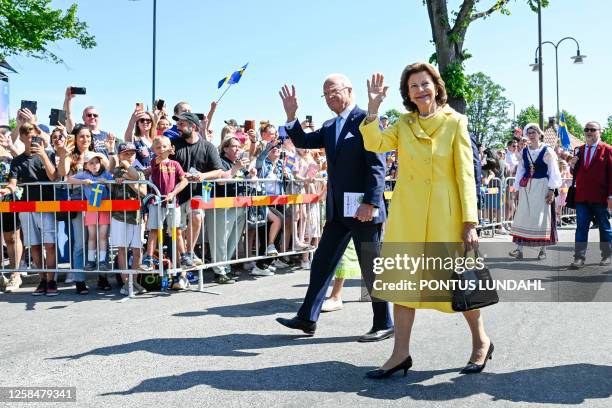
pixel 384 117
pixel 188 116
pixel 89 155
pixel 126 146
pixel 231 122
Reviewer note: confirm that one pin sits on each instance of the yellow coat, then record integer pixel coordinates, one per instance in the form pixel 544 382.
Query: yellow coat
pixel 435 192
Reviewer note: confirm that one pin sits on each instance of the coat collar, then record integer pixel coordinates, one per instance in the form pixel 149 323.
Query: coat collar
pixel 412 120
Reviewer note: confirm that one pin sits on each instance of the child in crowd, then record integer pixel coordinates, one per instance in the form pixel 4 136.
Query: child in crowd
pixel 96 222
pixel 566 181
pixel 168 176
pixel 126 226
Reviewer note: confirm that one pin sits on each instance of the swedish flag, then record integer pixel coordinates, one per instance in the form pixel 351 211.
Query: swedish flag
pixel 233 78
pixel 95 197
pixel 563 135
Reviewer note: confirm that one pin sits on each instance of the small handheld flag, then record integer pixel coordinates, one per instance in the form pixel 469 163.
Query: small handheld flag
pixel 97 192
pixel 206 189
pixel 290 162
pixel 563 135
pixel 232 78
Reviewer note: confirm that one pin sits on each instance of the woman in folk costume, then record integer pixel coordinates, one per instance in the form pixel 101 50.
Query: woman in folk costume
pixel 537 178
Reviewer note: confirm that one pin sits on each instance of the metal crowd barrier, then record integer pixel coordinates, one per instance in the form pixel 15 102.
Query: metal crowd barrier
pixel 232 227
pixel 65 213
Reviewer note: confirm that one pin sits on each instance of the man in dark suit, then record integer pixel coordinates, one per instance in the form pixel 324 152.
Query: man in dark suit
pixel 351 169
pixel 593 174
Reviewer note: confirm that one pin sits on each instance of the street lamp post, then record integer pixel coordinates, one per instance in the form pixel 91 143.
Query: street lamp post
pixel 154 51
pixel 578 59
pixel 154 38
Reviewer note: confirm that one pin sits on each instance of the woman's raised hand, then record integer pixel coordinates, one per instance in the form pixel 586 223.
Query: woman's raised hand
pixel 377 92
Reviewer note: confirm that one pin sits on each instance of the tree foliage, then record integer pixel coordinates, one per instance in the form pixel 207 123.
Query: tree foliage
pixel 30 27
pixel 532 114
pixel 448 32
pixel 606 134
pixel 486 110
pixel 393 115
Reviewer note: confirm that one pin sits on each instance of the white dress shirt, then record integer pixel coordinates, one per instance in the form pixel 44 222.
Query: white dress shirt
pixel 591 152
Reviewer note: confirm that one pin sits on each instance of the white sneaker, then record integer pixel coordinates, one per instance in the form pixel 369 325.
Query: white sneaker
pixel 305 265
pixel 331 305
pixel 13 284
pixel 261 272
pixel 271 250
pixel 247 266
pixel 124 290
pixel 502 231
pixel 272 268
pixel 279 264
pixel 181 283
pixel 69 278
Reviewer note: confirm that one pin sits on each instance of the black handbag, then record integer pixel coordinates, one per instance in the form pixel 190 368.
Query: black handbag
pixel 471 289
pixel 570 198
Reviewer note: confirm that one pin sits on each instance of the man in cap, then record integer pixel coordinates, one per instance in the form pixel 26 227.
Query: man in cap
pixel 200 160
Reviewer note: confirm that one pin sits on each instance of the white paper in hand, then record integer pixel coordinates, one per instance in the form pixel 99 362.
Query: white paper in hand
pixel 352 201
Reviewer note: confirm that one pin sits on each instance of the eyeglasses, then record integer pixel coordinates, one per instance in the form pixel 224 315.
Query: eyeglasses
pixel 92 115
pixel 333 92
pixel 145 121
pixel 591 129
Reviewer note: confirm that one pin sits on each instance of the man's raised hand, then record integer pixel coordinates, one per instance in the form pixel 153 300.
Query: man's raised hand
pixel 377 91
pixel 289 101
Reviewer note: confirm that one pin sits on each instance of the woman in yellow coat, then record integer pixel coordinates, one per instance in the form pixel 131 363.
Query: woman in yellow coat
pixel 434 198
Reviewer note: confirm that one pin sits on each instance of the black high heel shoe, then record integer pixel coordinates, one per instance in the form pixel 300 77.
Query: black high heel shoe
pixel 473 368
pixel 379 374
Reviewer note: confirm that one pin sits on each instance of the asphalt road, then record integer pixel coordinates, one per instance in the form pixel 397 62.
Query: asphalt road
pixel 197 349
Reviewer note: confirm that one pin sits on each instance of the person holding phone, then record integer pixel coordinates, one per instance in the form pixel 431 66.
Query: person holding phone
pixel 225 226
pixel 91 119
pixel 143 125
pixel 36 165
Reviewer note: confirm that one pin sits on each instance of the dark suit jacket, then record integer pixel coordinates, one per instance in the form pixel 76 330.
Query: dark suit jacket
pixel 350 168
pixel 594 183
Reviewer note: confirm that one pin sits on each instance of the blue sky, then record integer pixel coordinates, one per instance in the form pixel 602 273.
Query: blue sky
pixel 300 43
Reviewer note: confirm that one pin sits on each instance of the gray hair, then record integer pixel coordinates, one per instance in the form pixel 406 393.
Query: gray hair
pixel 341 78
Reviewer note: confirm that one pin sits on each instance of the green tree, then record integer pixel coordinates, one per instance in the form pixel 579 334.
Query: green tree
pixel 486 110
pixel 606 133
pixel 532 114
pixel 393 115
pixel 449 35
pixel 30 27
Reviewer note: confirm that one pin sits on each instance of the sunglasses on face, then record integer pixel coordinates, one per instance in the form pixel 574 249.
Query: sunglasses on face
pixel 92 115
pixel 590 129
pixel 145 121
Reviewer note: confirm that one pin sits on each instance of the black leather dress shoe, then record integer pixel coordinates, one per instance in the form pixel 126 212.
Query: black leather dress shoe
pixel 381 373
pixel 298 323
pixel 376 335
pixel 472 368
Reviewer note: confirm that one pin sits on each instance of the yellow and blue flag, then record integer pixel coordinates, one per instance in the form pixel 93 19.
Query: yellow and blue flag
pixel 563 135
pixel 97 192
pixel 233 78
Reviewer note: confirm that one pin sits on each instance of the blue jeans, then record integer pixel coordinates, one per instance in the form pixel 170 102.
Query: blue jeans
pixel 584 214
pixel 78 254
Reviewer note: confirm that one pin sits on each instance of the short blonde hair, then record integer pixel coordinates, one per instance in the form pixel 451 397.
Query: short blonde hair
pixel 161 139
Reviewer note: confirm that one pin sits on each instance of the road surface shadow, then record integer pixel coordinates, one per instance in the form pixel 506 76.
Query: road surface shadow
pixel 565 384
